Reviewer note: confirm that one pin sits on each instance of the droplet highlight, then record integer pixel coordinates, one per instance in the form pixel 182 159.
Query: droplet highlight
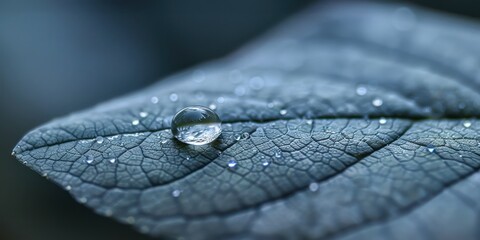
pixel 232 163
pixel 361 90
pixel 430 148
pixel 99 139
pixel 377 102
pixel 382 121
pixel 467 124
pixel 89 159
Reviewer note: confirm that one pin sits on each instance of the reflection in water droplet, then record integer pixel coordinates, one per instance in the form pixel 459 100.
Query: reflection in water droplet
pixel 135 122
pixel 89 159
pixel 382 120
pixel 176 193
pixel 361 90
pixel 173 97
pixel 313 187
pixel 283 112
pixel 99 139
pixel 377 102
pixel 232 163
pixel 430 148
pixel 143 114
pixel 154 100
pixel 196 125
pixel 467 124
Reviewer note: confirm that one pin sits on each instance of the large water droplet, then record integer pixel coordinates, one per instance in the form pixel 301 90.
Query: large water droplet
pixel 377 102
pixel 430 148
pixel 232 163
pixel 467 124
pixel 196 125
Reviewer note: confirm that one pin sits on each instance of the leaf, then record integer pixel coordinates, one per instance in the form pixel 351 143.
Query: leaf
pixel 364 114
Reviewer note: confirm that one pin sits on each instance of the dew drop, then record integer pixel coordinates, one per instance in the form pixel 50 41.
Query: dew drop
pixel 135 122
pixel 89 159
pixel 361 90
pixel 13 153
pixel 99 139
pixel 265 162
pixel 143 114
pixel 68 188
pixel 83 200
pixel 220 100
pixel 164 141
pixel 313 187
pixel 430 148
pixel 283 112
pixel 278 154
pixel 196 125
pixel 130 220
pixel 173 97
pixel 309 122
pixel 256 83
pixel 232 163
pixel 212 106
pixel 377 102
pixel 112 160
pixel 382 120
pixel 243 136
pixel 154 100
pixel 176 193
pixel 467 124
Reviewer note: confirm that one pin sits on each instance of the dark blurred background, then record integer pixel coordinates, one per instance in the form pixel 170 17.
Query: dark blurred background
pixel 61 56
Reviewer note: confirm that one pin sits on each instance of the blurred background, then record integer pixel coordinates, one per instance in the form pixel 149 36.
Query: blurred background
pixel 61 56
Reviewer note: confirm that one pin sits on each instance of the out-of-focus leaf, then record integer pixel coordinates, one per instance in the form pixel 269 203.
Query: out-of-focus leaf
pixel 361 123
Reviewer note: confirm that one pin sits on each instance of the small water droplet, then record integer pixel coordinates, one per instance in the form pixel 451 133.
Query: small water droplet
pixel 430 148
pixel 83 200
pixel 361 90
pixel 313 187
pixel 135 122
pixel 68 188
pixel 240 91
pixel 309 122
pixel 467 124
pixel 89 159
pixel 265 162
pixel 243 136
pixel 220 100
pixel 173 97
pixel 45 175
pixel 164 141
pixel 377 102
pixel 278 154
pixel 154 100
pixel 112 160
pixel 382 120
pixel 212 106
pixel 143 114
pixel 196 125
pixel 13 153
pixel 99 139
pixel 256 83
pixel 232 163
pixel 283 112
pixel 176 193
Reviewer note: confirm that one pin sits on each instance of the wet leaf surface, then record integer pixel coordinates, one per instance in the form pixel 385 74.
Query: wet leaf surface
pixel 350 121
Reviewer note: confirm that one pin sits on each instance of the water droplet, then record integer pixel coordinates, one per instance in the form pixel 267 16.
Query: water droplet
pixel 377 102
pixel 309 122
pixel 99 139
pixel 467 124
pixel 243 136
pixel 283 112
pixel 265 162
pixel 212 106
pixel 112 160
pixel 143 114
pixel 232 163
pixel 173 97
pixel 382 120
pixel 278 154
pixel 256 83
pixel 430 148
pixel 176 193
pixel 83 200
pixel 196 125
pixel 13 153
pixel 135 122
pixel 361 90
pixel 45 175
pixel 313 187
pixel 154 100
pixel 240 91
pixel 68 188
pixel 220 100
pixel 89 159
pixel 164 141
